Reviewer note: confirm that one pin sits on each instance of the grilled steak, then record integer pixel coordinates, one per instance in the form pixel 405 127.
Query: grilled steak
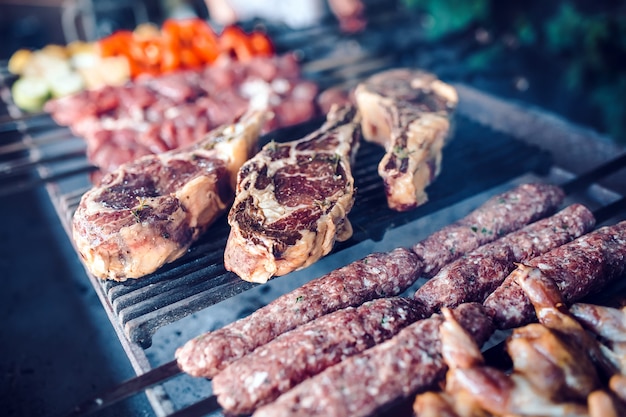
pixel 578 268
pixel 293 199
pixel 148 212
pixel 409 113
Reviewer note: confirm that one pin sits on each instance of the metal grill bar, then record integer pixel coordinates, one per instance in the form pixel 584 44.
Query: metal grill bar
pixel 474 157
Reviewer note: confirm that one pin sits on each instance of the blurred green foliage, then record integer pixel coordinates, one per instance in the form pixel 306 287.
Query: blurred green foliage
pixel 587 41
pixel 443 17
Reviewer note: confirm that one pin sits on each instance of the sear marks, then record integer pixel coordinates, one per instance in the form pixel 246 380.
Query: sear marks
pixel 293 199
pixel 409 112
pixel 149 211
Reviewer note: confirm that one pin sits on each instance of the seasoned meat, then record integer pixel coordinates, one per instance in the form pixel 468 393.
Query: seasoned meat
pixel 501 214
pixel 156 114
pixel 375 276
pixel 410 361
pixel 274 368
pixel 477 274
pixel 409 113
pixel 293 200
pixel 580 267
pixel 149 211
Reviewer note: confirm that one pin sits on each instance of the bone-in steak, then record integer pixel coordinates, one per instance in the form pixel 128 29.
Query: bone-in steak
pixel 292 200
pixel 409 113
pixel 148 212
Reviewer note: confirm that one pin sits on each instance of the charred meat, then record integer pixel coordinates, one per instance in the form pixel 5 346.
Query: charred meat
pixel 148 212
pixel 292 201
pixel 409 113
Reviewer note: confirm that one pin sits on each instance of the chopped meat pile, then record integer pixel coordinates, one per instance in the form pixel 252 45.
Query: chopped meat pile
pixel 156 114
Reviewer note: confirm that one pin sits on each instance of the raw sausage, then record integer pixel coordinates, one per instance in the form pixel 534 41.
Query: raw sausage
pixel 498 216
pixel 410 361
pixel 578 268
pixel 261 376
pixel 476 275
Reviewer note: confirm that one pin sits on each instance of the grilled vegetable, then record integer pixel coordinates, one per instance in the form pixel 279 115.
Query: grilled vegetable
pixel 30 93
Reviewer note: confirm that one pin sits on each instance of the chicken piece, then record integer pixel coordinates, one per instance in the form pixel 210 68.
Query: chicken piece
pixel 610 325
pixel 552 312
pixel 409 113
pixel 506 395
pixel 292 201
pixel 558 368
pixel 473 389
pixel 459 351
pixel 442 404
pixel 149 211
pixel 602 404
pixel 617 384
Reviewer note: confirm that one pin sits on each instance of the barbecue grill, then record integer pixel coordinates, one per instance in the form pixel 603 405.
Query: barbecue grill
pixel 496 144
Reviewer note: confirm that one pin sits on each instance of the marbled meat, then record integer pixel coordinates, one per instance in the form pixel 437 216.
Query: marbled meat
pixel 149 211
pixel 408 112
pixel 293 199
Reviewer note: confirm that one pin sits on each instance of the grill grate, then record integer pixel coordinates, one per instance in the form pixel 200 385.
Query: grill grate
pixel 34 151
pixel 475 157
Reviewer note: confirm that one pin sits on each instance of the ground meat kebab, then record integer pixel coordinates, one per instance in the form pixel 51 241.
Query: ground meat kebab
pixel 375 276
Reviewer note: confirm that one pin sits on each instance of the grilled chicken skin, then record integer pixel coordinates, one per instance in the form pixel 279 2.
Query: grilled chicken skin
pixel 292 200
pixel 409 113
pixel 149 211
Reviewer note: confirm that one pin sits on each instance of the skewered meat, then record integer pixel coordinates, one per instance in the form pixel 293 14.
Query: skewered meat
pixel 553 373
pixel 274 368
pixel 362 383
pixel 499 215
pixel 148 212
pixel 580 267
pixel 400 366
pixel 292 201
pixel 375 276
pixel 409 113
pixel 397 367
pixel 477 274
